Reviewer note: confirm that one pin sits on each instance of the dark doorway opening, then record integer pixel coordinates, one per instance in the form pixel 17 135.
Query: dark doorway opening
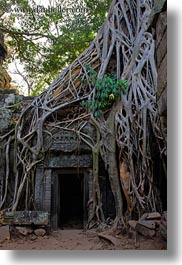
pixel 71 200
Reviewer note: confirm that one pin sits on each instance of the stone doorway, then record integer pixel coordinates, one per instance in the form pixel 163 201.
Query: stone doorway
pixel 69 199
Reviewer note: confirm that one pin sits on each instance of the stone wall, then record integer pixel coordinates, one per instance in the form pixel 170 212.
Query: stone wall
pixel 10 108
pixel 158 27
pixel 6 122
pixel 11 105
pixel 161 60
pixel 159 30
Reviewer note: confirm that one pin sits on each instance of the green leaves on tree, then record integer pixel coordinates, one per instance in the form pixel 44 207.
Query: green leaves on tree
pixel 45 43
pixel 107 90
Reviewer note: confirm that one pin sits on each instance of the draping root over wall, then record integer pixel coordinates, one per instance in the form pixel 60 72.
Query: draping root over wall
pixel 125 132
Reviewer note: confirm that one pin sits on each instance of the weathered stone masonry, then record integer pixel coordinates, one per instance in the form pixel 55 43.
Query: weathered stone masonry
pixel 160 26
pixel 161 59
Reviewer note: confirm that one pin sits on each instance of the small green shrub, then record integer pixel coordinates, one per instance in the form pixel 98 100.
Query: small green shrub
pixel 107 90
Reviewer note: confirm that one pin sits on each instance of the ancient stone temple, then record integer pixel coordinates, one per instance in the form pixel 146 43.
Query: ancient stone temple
pixel 64 181
pixel 64 177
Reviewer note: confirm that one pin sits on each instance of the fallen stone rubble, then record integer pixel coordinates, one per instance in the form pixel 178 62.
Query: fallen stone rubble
pixel 26 231
pixel 150 225
pixel 19 232
pixel 22 224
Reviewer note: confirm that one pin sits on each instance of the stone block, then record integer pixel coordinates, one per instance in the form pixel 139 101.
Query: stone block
pixel 24 218
pixel 39 188
pixel 31 217
pixel 158 5
pixel 65 141
pixel 5 119
pixel 162 49
pixel 24 230
pixel 143 217
pixel 40 232
pixel 6 218
pixel 161 27
pixel 68 141
pixel 163 226
pixel 162 103
pixel 67 161
pixel 163 120
pixel 153 216
pixel 149 224
pixel 145 231
pixel 10 100
pixel 4 233
pixel 162 76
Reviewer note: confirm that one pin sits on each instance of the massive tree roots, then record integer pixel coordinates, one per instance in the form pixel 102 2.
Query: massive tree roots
pixel 124 132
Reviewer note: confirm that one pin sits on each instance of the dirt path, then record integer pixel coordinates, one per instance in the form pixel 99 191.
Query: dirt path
pixel 76 240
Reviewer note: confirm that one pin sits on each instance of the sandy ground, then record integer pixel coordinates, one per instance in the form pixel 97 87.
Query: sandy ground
pixel 79 240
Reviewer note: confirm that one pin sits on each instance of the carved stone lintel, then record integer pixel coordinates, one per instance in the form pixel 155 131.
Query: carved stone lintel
pixel 69 161
pixel 65 141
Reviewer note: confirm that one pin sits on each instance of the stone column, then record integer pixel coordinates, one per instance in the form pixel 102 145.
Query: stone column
pixel 47 190
pixel 39 179
pixel 90 191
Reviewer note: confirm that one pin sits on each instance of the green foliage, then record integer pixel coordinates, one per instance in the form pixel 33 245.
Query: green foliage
pixel 46 42
pixel 107 90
